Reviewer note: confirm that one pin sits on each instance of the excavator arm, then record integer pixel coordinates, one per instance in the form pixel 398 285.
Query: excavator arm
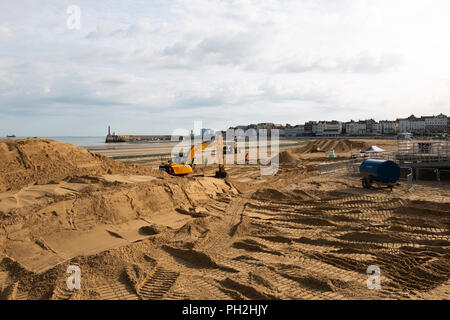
pixel 213 144
pixel 186 168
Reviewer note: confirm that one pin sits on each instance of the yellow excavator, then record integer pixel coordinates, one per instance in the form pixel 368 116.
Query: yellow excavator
pixel 186 168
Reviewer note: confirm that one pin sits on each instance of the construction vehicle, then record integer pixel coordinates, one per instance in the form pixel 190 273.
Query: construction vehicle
pixel 382 172
pixel 176 169
pixel 332 154
pixel 185 167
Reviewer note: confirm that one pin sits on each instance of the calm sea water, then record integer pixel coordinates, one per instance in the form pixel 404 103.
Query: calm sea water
pixel 79 141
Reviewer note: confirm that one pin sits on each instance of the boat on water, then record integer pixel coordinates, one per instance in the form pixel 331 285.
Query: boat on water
pixel 11 136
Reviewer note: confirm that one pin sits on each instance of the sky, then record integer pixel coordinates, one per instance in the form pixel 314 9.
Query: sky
pixel 153 66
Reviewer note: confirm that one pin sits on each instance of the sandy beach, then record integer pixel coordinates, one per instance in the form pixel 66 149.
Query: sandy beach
pixel 137 233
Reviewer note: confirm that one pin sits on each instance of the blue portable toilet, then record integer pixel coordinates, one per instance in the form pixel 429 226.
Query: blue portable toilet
pixel 379 171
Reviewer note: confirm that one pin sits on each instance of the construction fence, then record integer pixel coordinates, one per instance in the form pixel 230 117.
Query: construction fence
pixel 351 167
pixel 408 171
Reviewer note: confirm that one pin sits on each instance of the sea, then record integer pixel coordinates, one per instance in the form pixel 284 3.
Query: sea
pixel 78 141
pixel 91 141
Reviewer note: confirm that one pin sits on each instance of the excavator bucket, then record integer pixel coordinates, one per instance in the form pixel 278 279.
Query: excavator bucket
pixel 221 173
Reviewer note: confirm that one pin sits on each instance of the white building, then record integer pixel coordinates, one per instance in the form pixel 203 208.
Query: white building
pixel 327 128
pixel 436 123
pixel 318 128
pixel 354 128
pixel 332 128
pixel 411 124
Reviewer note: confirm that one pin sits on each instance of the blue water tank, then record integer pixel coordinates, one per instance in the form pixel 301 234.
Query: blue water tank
pixel 380 170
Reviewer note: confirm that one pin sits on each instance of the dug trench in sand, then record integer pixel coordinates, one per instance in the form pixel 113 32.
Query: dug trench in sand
pixel 138 233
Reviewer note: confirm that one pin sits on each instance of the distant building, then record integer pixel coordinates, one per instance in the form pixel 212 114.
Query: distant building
pixel 327 128
pixel 318 128
pixel 332 128
pixel 296 131
pixel 265 126
pixel 371 126
pixel 250 130
pixel 310 127
pixel 388 127
pixel 354 128
pixel 206 132
pixel 411 124
pixel 436 123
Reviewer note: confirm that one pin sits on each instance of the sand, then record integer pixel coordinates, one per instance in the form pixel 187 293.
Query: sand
pixel 287 157
pixel 26 162
pixel 137 233
pixel 338 145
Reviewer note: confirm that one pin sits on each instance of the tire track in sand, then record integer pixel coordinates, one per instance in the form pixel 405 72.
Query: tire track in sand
pixel 223 238
pixel 159 284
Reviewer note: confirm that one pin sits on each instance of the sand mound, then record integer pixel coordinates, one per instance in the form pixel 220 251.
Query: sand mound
pixel 40 161
pixel 337 145
pixel 286 157
pixel 270 194
pixel 191 232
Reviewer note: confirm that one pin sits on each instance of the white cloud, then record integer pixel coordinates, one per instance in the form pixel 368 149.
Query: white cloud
pixel 5 33
pixel 155 66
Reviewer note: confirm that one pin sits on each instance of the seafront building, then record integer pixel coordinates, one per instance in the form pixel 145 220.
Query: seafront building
pixel 425 125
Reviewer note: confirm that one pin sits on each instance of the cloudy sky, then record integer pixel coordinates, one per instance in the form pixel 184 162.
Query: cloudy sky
pixel 151 66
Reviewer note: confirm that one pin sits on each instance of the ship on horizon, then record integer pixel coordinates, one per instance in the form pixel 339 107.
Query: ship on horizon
pixel 11 136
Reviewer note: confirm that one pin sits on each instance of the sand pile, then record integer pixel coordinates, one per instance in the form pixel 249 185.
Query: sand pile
pixel 333 144
pixel 40 161
pixel 270 194
pixel 284 237
pixel 286 157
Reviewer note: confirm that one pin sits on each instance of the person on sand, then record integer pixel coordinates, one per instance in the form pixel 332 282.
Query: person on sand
pixel 193 163
pixel 246 158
